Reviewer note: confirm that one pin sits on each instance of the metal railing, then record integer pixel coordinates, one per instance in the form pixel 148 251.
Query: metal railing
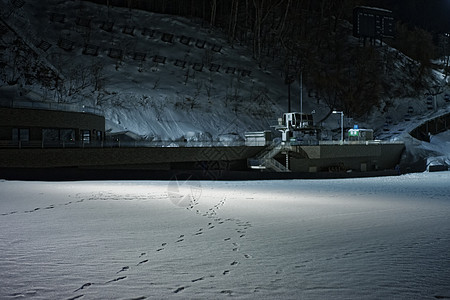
pixel 345 142
pixel 113 144
pixel 269 152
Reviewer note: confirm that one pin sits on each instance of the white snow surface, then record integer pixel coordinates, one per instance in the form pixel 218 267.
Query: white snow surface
pixel 440 144
pixel 372 238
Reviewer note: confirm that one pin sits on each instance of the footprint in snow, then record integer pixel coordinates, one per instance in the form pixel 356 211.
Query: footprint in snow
pixel 123 269
pixel 228 292
pixel 83 286
pixel 117 279
pixel 179 289
pixel 142 262
pixel 198 279
pixel 76 297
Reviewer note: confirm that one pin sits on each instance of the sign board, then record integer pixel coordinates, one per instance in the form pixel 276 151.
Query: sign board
pixel 373 22
pixel 353 132
pixel 360 134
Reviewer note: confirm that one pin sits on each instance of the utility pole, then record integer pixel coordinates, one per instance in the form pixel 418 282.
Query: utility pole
pixel 301 98
pixel 289 80
pixel 289 97
pixel 342 124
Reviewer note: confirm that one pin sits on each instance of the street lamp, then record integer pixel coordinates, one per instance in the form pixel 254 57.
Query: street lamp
pixel 342 124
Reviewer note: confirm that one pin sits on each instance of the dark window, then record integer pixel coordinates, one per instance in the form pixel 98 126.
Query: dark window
pixel 21 134
pixel 15 134
pixel 24 134
pixel 99 135
pixel 50 135
pixel 67 135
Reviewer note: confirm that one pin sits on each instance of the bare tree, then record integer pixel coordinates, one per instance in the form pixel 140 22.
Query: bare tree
pixel 262 9
pixel 97 76
pixel 233 21
pixel 213 12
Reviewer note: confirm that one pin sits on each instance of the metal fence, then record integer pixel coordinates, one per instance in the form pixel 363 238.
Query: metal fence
pixel 154 144
pixel 371 142
pixel 113 144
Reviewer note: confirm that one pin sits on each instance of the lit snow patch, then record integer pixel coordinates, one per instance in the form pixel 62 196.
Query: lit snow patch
pixel 309 239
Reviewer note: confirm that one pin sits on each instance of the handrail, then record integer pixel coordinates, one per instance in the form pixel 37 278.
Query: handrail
pixel 372 142
pixel 113 144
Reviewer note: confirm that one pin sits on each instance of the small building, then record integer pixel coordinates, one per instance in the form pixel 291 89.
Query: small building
pixel 360 134
pixel 43 127
pixel 258 138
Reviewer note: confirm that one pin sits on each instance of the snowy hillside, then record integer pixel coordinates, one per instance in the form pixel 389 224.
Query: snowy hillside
pixel 156 75
pixel 164 77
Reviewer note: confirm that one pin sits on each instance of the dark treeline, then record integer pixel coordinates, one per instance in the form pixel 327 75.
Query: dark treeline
pixel 431 15
pixel 312 38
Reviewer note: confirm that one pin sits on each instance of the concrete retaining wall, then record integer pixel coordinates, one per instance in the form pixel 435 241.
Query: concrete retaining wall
pixel 357 157
pixel 134 158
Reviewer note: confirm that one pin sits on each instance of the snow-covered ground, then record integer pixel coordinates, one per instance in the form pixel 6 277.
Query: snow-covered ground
pixel 192 85
pixel 296 239
pixel 354 238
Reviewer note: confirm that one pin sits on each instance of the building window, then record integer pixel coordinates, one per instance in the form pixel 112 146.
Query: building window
pixel 67 135
pixel 86 136
pixel 24 134
pixel 15 134
pixel 50 135
pixel 21 134
pixel 99 135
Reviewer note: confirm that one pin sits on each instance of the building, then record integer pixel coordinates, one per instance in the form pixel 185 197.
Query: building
pixel 45 127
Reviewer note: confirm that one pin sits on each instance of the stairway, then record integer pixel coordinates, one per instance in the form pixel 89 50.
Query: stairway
pixel 266 161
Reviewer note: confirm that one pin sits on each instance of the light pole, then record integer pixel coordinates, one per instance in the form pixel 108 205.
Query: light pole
pixel 342 124
pixel 301 98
